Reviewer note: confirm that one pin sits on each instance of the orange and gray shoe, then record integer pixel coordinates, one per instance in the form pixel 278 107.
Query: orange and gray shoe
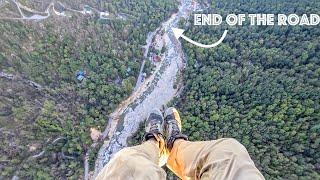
pixel 173 127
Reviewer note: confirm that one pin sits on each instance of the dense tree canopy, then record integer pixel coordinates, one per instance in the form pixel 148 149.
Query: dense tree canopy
pixel 49 131
pixel 260 86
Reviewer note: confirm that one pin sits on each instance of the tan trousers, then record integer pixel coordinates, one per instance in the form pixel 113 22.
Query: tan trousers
pixel 218 159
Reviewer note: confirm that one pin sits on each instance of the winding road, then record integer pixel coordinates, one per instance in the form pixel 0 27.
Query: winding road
pixel 37 16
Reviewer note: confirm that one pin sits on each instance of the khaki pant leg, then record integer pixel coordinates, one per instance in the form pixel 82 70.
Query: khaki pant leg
pixel 138 162
pixel 221 159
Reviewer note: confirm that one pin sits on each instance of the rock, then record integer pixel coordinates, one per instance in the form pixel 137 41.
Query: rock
pixel 95 134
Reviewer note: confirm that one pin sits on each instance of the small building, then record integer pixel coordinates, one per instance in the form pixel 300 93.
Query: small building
pixel 156 58
pixel 144 75
pixel 87 10
pixel 104 15
pixel 80 75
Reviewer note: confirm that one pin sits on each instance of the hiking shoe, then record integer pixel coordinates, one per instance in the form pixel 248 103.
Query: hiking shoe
pixel 154 130
pixel 173 127
pixel 154 125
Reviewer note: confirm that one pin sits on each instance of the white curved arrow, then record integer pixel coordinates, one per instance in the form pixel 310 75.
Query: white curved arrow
pixel 179 33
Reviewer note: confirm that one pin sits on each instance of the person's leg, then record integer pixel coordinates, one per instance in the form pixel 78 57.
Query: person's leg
pixel 138 162
pixel 220 159
pixel 142 161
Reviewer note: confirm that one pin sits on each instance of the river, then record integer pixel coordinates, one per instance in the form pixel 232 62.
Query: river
pixel 155 92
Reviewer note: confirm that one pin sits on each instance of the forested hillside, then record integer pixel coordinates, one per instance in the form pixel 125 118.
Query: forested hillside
pixel 260 86
pixel 45 127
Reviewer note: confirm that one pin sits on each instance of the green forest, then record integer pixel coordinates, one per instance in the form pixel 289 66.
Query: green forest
pixel 261 86
pixel 45 132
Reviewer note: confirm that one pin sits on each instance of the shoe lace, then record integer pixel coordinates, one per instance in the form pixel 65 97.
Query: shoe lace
pixel 154 126
pixel 175 128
